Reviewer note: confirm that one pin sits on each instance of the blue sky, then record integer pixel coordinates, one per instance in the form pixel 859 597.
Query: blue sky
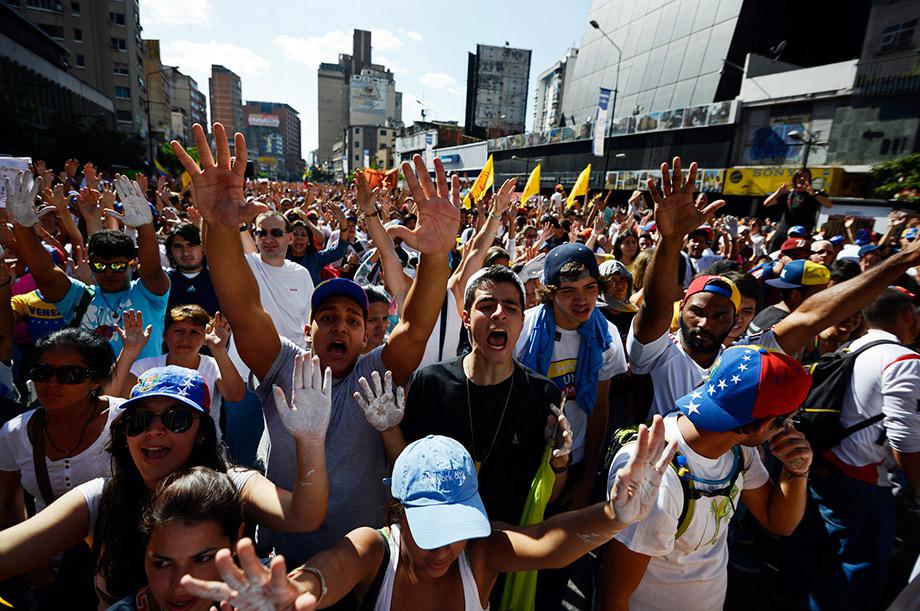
pixel 276 46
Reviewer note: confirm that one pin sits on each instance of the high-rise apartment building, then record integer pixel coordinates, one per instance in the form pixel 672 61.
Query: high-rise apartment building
pixel 226 97
pixel 273 131
pixel 188 105
pixel 106 52
pixel 496 91
pixel 550 92
pixel 159 88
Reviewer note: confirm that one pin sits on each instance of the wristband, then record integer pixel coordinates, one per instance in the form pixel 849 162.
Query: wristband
pixel 791 475
pixel 561 469
pixel 319 577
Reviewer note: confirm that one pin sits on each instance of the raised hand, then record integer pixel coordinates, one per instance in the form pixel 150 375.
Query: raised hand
pixel 635 486
pixel 503 197
pixel 367 197
pixel 307 416
pixel 217 187
pixel 438 209
pixel 137 210
pixel 676 215
pixel 731 225
pixel 218 333
pixel 89 173
pixel 252 587
pixel 383 408
pixel 559 432
pixel 81 268
pixel 133 335
pixel 70 167
pixel 20 198
pixel 141 179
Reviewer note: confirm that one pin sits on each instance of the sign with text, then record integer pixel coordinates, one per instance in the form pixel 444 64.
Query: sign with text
pixel 257 120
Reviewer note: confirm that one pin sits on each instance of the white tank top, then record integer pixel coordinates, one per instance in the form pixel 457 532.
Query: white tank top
pixel 385 597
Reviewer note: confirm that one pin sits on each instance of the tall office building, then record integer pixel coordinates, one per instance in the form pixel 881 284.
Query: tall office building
pixel 352 92
pixel 105 50
pixel 685 53
pixel 226 97
pixel 159 88
pixel 274 130
pixel 550 92
pixel 188 105
pixel 496 91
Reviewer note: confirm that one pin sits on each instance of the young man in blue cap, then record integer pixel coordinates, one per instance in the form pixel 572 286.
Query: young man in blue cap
pixel 354 450
pixel 798 281
pixel 676 558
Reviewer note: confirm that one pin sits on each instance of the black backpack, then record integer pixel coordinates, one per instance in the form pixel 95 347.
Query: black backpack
pixel 819 419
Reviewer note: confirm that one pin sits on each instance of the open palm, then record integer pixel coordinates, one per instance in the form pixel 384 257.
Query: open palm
pixel 676 214
pixel 438 209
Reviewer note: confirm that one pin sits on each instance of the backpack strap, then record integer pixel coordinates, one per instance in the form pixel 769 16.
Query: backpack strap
pixel 692 493
pixel 443 329
pixel 36 434
pixel 81 308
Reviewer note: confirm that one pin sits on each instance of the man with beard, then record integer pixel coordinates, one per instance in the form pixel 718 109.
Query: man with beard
pixel 190 281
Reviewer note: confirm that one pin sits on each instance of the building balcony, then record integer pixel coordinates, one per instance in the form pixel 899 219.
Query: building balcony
pixel 889 76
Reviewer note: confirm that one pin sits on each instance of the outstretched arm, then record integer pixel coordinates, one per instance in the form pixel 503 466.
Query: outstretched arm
pixel 395 280
pixel 218 193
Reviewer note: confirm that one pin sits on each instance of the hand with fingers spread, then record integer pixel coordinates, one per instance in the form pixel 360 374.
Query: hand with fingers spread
pixel 307 415
pixel 367 197
pixel 20 198
pixel 133 334
pixel 218 333
pixel 137 210
pixel 382 407
pixel 438 209
pixel 503 197
pixel 217 186
pixel 81 268
pixel 559 432
pixel 251 586
pixel 89 174
pixel 676 215
pixel 635 486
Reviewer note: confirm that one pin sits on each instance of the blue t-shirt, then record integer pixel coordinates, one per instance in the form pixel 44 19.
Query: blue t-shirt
pixel 106 309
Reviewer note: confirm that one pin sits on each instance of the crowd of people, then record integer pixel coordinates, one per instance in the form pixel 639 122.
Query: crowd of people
pixel 255 395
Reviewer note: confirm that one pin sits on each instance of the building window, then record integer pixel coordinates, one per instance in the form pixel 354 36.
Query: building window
pixel 81 61
pixel 74 8
pixel 118 44
pixel 77 35
pixel 117 18
pixel 120 68
pixel 124 116
pixel 357 130
pixel 358 158
pixel 54 31
pixel 897 36
pixel 122 93
pixel 45 5
pixel 383 132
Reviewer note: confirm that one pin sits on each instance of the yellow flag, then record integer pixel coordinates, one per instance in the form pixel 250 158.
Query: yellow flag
pixel 485 180
pixel 533 185
pixel 185 178
pixel 581 186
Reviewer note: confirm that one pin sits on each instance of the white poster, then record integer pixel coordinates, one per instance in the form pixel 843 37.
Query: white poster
pixel 9 167
pixel 429 150
pixel 600 124
pixel 367 158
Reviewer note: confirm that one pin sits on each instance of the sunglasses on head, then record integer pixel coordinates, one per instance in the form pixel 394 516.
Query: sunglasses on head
pixel 65 374
pixel 275 233
pixel 177 419
pixel 118 266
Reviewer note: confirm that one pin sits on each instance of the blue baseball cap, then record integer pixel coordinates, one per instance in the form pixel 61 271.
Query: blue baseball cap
pixel 568 253
pixel 837 240
pixel 797 230
pixel 863 237
pixel 338 286
pixel 910 233
pixel 865 250
pixel 748 382
pixel 435 481
pixel 180 383
pixel 801 273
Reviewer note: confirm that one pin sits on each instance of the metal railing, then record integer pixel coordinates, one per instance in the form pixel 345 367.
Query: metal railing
pixel 889 76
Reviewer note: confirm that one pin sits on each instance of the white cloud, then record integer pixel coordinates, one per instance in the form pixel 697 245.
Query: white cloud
pixel 385 40
pixel 315 49
pixel 441 81
pixel 415 36
pixel 396 68
pixel 175 12
pixel 197 57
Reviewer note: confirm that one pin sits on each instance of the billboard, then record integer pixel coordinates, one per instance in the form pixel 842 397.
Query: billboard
pixel 764 180
pixel 368 95
pixel 258 120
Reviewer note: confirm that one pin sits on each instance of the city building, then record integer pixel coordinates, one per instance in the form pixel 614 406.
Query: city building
pixel 159 89
pixel 103 41
pixel 226 97
pixel 273 138
pixel 550 91
pixel 496 91
pixel 354 92
pixel 368 141
pixel 189 105
pixel 414 139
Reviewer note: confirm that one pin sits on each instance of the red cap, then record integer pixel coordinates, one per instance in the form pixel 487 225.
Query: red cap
pixel 794 244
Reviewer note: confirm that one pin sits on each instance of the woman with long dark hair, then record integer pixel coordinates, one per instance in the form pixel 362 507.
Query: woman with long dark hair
pixel 164 428
pixel 625 249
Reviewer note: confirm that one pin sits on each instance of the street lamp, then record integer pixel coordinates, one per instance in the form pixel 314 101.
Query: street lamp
pixel 808 140
pixel 527 161
pixel 616 87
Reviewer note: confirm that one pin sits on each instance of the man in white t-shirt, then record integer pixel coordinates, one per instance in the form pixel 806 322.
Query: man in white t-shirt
pixel 557 199
pixel 676 558
pixel 851 484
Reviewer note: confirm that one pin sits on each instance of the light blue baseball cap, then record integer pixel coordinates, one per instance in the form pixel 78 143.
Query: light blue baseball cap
pixel 435 480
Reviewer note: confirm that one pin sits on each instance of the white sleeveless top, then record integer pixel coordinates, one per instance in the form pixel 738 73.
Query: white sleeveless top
pixel 385 597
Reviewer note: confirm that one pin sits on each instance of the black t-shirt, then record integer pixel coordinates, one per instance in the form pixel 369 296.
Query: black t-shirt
pixel 198 290
pixel 801 209
pixel 438 404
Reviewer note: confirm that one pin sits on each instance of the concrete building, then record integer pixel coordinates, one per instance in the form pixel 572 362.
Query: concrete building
pixel 226 97
pixel 550 92
pixel 189 105
pixel 496 91
pixel 159 90
pixel 413 139
pixel 370 138
pixel 273 137
pixel 103 41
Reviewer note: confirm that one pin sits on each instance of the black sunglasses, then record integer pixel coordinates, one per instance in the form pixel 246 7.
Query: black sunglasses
pixel 275 233
pixel 177 419
pixel 65 374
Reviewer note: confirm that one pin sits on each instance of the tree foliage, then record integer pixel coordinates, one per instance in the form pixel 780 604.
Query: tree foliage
pixel 898 178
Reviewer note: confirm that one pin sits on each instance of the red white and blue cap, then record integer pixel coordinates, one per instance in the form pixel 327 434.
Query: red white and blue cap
pixel 180 383
pixel 748 383
pixel 435 480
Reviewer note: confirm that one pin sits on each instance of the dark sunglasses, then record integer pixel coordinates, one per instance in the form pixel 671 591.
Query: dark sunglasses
pixel 118 266
pixel 65 374
pixel 177 419
pixel 275 233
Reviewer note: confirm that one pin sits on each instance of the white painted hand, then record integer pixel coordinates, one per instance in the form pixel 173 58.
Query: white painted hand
pixel 635 487
pixel 307 415
pixel 382 407
pixel 20 198
pixel 137 210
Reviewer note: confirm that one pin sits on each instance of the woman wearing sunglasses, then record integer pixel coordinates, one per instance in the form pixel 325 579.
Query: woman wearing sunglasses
pixel 165 427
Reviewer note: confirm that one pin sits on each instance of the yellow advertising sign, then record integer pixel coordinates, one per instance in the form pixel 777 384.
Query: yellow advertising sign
pixel 764 180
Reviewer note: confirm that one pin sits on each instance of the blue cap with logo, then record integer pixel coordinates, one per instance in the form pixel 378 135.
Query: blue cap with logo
pixel 180 383
pixel 338 286
pixel 797 230
pixel 435 481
